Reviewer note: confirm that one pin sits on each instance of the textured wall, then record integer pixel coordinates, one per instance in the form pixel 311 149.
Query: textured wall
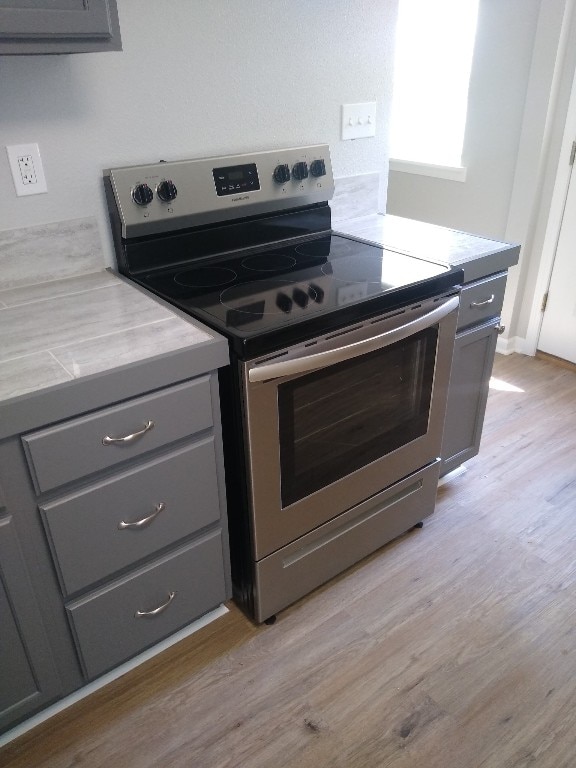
pixel 195 79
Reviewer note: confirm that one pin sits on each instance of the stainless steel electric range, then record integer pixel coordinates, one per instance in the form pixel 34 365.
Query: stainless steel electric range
pixel 333 404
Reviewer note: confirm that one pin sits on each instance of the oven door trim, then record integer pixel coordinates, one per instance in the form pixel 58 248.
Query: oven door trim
pixel 272 525
pixel 313 362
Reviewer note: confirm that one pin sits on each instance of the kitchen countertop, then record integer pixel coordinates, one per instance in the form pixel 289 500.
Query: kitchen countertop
pixel 476 256
pixel 81 329
pixel 68 331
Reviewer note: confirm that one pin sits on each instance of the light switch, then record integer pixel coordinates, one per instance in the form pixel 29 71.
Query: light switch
pixel 358 120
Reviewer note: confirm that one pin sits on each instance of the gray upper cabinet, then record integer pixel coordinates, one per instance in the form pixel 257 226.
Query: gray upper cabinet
pixel 58 26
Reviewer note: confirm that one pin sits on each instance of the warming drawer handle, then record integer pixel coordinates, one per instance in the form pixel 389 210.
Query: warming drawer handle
pixel 156 611
pixel 137 524
pixel 333 356
pixel 482 303
pixel 128 438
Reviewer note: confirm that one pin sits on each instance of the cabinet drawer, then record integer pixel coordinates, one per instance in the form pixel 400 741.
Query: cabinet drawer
pixel 87 530
pixel 81 446
pixel 481 300
pixel 106 624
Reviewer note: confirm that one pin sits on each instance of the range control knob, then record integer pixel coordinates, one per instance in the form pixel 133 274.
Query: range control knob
pixel 316 293
pixel 300 170
pixel 300 297
pixel 284 302
pixel 166 190
pixel 282 174
pixel 142 194
pixel 318 168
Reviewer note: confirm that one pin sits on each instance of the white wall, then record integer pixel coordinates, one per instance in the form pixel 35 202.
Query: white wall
pixel 195 79
pixel 499 78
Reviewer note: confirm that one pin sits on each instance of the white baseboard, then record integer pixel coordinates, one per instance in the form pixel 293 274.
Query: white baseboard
pixel 506 346
pixel 517 344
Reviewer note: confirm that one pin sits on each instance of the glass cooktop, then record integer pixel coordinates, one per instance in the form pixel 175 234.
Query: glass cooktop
pixel 279 295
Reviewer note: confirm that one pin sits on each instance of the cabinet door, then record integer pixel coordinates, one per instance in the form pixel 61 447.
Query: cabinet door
pixel 468 391
pixel 58 26
pixel 28 676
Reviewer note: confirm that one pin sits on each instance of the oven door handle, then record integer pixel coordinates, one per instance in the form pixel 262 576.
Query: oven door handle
pixel 332 356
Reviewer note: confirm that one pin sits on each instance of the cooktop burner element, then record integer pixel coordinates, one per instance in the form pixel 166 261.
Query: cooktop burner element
pixel 267 262
pixel 205 277
pixel 324 247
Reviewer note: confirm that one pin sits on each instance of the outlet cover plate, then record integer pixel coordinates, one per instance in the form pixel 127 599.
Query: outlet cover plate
pixel 27 171
pixel 358 120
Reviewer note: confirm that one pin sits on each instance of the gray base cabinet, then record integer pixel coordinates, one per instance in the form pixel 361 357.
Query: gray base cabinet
pixel 474 349
pixel 472 367
pixel 58 26
pixel 113 531
pixel 28 676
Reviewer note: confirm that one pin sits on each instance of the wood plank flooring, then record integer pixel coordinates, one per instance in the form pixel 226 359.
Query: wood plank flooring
pixel 452 647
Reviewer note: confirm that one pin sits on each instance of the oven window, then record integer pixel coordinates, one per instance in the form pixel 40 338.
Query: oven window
pixel 334 421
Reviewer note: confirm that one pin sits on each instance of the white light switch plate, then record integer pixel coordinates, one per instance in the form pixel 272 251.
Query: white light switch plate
pixel 358 120
pixel 27 170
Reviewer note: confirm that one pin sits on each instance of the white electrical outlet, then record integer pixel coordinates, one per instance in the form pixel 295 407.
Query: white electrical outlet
pixel 358 120
pixel 26 167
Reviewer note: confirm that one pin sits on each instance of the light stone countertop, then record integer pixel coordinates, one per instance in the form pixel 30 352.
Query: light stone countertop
pixel 66 329
pixel 476 256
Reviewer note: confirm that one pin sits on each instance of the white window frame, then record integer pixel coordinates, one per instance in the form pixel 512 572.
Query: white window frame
pixel 451 172
pixel 410 162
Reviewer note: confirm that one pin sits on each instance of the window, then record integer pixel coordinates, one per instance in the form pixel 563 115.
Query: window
pixel 434 46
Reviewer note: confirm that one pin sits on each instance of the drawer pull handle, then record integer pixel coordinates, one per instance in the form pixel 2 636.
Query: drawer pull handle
pixel 482 303
pixel 128 438
pixel 156 611
pixel 123 525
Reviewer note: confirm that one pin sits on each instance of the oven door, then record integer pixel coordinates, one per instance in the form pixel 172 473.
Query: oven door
pixel 340 418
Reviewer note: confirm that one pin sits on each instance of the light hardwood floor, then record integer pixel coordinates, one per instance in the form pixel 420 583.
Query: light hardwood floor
pixel 452 647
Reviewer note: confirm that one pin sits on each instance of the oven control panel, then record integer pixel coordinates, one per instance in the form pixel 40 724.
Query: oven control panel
pixel 167 196
pixel 236 179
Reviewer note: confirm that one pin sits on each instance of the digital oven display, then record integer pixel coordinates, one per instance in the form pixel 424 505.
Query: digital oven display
pixel 236 179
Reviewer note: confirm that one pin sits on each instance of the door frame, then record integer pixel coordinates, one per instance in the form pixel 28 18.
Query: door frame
pixel 552 227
